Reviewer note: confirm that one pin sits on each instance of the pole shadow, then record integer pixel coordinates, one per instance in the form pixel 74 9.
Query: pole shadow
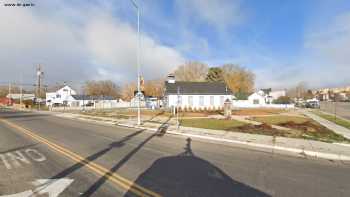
pixel 93 188
pixel 187 175
pixel 20 114
pixel 96 155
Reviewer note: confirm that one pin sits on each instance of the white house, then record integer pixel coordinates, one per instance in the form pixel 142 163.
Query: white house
pixel 262 98
pixel 63 96
pixel 258 98
pixel 195 95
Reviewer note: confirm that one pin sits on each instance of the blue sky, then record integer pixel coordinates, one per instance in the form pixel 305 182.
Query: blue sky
pixel 282 42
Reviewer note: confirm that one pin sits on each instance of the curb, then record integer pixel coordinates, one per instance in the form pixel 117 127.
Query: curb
pixel 320 155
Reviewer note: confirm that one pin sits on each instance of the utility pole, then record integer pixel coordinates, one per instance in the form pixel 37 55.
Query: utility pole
pixel 21 92
pixel 177 107
pixel 335 107
pixel 39 74
pixel 10 100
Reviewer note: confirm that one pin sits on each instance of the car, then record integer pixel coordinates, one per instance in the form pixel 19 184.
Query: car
pixel 312 104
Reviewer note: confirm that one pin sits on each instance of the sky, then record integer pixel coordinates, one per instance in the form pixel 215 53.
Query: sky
pixel 283 42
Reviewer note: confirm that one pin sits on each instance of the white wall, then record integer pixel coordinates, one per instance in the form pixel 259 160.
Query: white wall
pixel 218 102
pixel 249 104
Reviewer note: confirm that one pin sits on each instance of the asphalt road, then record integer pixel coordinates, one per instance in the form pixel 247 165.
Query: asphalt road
pixel 87 159
pixel 342 109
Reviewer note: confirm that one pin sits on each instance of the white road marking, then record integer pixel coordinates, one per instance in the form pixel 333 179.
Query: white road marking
pixel 35 155
pixel 52 187
pixel 22 194
pixel 3 159
pixel 17 158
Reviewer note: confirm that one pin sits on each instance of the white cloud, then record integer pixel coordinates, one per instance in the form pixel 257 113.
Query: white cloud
pixel 324 61
pixel 93 44
pixel 219 13
pixel 112 43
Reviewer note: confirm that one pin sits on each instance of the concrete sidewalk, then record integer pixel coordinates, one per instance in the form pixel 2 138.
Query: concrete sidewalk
pixel 280 145
pixel 330 125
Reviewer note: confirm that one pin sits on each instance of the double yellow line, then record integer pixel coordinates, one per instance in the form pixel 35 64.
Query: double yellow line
pixel 98 169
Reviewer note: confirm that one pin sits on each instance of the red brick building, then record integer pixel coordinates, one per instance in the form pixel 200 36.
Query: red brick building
pixel 6 101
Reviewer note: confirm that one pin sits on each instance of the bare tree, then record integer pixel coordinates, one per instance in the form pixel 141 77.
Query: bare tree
pixel 154 88
pixel 298 91
pixel 191 71
pixel 4 90
pixel 102 88
pixel 128 91
pixel 238 79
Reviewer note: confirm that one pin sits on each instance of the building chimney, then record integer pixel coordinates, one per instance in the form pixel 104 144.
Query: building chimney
pixel 171 78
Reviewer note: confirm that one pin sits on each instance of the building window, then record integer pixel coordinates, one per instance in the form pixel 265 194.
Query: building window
pixel 222 100
pixel 212 100
pixel 179 100
pixel 256 101
pixel 201 100
pixel 58 96
pixel 190 100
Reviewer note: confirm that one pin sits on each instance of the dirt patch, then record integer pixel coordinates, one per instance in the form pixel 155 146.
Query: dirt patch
pixel 252 112
pixel 305 126
pixel 312 130
pixel 264 129
pixel 307 130
pixel 200 114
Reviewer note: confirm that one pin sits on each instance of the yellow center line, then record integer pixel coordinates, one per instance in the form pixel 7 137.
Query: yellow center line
pixel 98 169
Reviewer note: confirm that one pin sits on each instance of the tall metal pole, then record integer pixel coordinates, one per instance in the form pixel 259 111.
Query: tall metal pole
pixel 138 68
pixel 138 64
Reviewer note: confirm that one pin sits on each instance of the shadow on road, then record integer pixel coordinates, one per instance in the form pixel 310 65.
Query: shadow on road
pixel 18 148
pixel 16 114
pixel 187 175
pixel 93 157
pixel 93 188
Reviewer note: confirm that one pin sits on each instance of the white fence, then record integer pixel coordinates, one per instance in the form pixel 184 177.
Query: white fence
pixel 96 106
pixel 248 104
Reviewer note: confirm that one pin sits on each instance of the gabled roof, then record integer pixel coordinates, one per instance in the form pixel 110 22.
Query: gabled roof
pixel 197 88
pixel 88 97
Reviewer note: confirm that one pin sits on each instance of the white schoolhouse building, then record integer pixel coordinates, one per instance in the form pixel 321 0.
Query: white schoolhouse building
pixel 196 95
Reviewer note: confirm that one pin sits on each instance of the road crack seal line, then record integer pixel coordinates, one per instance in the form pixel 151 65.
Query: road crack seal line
pixel 111 176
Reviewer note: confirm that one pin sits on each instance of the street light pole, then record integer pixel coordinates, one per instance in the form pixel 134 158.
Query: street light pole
pixel 138 64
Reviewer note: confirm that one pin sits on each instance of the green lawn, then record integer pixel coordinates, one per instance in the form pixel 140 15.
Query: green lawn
pixel 206 123
pixel 331 118
pixel 275 120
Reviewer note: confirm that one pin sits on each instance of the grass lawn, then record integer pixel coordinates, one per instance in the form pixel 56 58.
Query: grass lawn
pixel 331 118
pixel 207 123
pixel 280 119
pixel 257 111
